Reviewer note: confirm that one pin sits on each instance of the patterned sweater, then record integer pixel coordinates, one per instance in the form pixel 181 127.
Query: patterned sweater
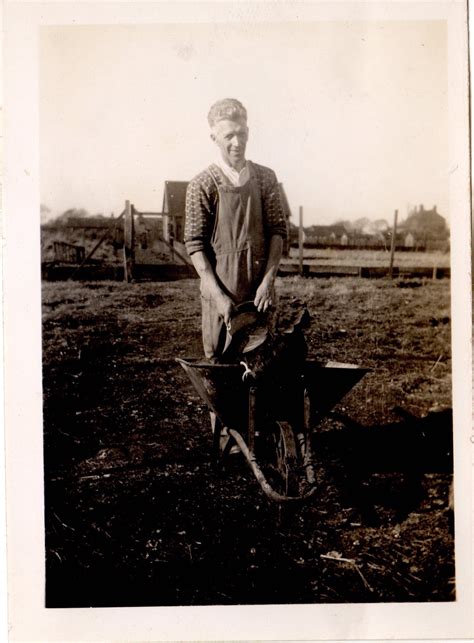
pixel 201 207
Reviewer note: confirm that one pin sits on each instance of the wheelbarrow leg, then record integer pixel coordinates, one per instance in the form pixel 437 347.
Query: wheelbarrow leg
pixel 304 440
pixel 222 446
pixel 216 426
pixel 222 441
pixel 251 419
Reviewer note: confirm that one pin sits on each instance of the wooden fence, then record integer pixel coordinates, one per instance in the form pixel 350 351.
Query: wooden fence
pixel 68 252
pixel 72 262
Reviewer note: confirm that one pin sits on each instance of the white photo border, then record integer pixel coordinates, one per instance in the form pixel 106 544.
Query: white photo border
pixel 28 618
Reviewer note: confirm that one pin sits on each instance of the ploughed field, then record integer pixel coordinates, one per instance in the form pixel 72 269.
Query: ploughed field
pixel 136 514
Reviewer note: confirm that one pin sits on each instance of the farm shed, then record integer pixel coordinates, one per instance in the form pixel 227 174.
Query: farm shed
pixel 174 203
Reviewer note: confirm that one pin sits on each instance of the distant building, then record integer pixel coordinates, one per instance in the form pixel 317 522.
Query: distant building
pixel 329 235
pixel 425 229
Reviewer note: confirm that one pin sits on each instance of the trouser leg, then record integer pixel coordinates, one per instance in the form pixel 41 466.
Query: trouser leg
pixel 213 330
pixel 213 340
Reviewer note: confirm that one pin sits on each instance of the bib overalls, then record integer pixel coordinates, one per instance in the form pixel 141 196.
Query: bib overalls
pixel 239 252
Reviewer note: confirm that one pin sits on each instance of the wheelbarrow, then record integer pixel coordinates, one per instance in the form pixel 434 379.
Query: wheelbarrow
pixel 272 426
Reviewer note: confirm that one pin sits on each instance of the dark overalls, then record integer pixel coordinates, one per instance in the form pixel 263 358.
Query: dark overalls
pixel 240 252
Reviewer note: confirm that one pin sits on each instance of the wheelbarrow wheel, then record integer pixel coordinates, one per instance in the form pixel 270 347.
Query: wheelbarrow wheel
pixel 286 459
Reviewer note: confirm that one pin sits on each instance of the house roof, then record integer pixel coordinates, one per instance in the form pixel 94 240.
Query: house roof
pixel 424 218
pixel 425 223
pixel 174 197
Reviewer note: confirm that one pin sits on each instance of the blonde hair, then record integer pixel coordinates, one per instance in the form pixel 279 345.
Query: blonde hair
pixel 226 109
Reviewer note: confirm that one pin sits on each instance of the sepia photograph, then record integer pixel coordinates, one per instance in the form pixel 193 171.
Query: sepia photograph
pixel 245 242
pixel 245 301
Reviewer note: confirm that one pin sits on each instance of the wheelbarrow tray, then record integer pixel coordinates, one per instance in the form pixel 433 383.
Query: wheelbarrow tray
pixel 220 386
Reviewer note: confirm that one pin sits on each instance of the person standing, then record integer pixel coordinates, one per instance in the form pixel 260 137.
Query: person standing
pixel 234 229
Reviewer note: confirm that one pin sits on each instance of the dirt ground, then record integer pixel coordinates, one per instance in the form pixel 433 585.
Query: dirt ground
pixel 137 515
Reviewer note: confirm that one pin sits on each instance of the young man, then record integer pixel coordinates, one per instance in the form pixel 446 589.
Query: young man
pixel 235 227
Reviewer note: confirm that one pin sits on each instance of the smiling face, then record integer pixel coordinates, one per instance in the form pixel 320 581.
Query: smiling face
pixel 231 138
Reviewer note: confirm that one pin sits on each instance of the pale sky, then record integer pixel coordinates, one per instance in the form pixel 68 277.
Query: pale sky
pixel 353 117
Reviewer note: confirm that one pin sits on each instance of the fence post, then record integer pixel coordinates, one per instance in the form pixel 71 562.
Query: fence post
pixel 128 243
pixel 300 240
pixel 392 246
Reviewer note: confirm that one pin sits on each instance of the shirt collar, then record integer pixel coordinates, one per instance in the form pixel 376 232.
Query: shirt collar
pixel 235 177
